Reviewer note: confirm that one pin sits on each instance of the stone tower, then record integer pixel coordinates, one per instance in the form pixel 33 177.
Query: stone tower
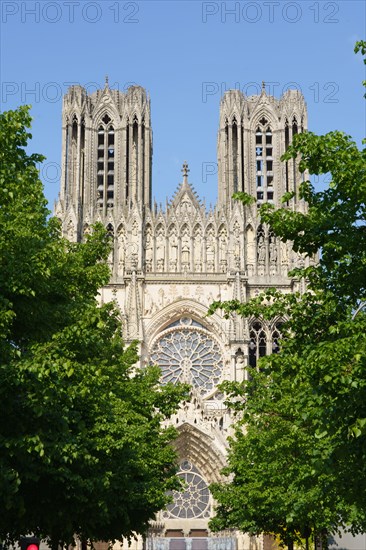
pixel 254 132
pixel 106 154
pixel 168 265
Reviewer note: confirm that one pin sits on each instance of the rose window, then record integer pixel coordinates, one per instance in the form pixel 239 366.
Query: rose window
pixel 194 499
pixel 188 354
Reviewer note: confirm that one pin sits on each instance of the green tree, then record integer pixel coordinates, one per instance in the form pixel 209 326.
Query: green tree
pixel 297 459
pixel 82 447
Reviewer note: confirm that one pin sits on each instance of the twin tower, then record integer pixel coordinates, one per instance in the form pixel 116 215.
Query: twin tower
pixel 107 151
pixel 168 265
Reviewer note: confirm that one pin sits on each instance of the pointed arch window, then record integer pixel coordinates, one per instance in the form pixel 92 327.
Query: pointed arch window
pixel 257 344
pixel 294 164
pixel 105 163
pixel 261 245
pixel 287 143
pixel 264 162
pixel 263 340
pixel 235 152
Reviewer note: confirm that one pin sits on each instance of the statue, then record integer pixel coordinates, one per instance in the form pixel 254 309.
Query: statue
pixel 186 248
pixel 148 250
pixel 261 250
pixel 160 249
pixel 273 251
pixel 210 251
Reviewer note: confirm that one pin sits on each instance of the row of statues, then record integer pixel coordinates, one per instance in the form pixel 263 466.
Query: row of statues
pixel 198 250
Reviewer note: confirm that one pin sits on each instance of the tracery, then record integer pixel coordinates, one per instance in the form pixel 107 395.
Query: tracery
pixel 194 500
pixel 186 352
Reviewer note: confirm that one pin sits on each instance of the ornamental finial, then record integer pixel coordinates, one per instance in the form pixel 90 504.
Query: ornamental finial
pixel 185 171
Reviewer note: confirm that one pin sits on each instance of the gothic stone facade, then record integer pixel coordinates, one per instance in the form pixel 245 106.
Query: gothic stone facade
pixel 168 265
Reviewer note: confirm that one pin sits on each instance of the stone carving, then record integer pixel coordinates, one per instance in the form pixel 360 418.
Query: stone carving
pixel 121 234
pixel 223 248
pixel 148 249
pixel 161 297
pixel 186 248
pixel 186 204
pixel 70 231
pixel 236 231
pixel 210 250
pixel 150 304
pixel 160 249
pixel 197 243
pixel 273 250
pixel 284 253
pixel 173 243
pixel 135 228
pixel 261 249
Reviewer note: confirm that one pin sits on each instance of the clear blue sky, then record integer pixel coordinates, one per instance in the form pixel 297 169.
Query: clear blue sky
pixel 186 54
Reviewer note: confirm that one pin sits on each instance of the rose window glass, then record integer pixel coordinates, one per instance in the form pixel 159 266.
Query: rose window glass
pixel 187 353
pixel 193 501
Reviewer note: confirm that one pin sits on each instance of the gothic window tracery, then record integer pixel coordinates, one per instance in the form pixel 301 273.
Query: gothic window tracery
pixel 186 352
pixel 294 164
pixel 105 163
pixel 264 161
pixel 263 340
pixel 194 499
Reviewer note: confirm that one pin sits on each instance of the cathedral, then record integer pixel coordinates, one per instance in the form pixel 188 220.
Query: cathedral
pixel 169 264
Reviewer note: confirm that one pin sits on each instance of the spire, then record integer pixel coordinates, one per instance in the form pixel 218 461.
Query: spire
pixel 185 171
pixel 263 87
pixel 106 81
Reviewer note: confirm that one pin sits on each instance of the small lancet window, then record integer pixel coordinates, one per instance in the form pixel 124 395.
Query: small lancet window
pixel 264 160
pixel 258 137
pixel 294 126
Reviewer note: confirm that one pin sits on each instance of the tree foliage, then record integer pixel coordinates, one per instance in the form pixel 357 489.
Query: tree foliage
pixel 82 447
pixel 297 460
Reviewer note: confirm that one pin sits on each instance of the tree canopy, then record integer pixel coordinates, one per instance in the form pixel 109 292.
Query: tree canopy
pixel 82 447
pixel 297 460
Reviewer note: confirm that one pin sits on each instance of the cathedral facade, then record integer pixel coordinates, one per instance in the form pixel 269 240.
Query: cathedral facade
pixel 169 264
